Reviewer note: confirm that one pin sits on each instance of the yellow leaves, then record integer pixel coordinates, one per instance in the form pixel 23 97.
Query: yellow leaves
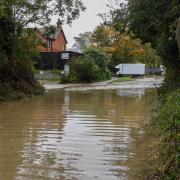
pixel 123 46
pixel 128 48
pixel 104 36
pixel 109 50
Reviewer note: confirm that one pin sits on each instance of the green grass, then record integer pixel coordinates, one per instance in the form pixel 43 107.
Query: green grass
pixel 121 79
pixel 165 155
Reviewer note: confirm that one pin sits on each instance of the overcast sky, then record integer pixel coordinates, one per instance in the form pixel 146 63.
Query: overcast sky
pixel 87 21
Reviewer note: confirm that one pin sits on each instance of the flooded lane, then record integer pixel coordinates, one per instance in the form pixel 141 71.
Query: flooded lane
pixel 96 134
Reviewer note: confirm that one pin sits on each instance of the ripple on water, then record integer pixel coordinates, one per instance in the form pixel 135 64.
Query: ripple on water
pixel 73 135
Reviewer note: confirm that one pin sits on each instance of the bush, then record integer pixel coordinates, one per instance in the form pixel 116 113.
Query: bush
pixel 17 79
pixel 16 69
pixel 99 57
pixel 84 69
pixel 90 68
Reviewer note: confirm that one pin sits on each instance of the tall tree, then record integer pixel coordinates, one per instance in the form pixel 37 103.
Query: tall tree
pixel 127 50
pixel 104 36
pixel 83 41
pixel 156 21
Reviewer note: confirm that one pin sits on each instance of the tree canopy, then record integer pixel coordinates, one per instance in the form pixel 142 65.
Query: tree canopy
pixel 83 41
pixel 156 21
pixel 41 11
pixel 153 22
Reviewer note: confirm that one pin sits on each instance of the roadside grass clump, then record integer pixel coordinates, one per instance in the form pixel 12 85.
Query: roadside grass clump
pixel 165 156
pixel 121 79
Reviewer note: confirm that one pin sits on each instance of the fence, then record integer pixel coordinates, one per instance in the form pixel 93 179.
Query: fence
pixel 46 75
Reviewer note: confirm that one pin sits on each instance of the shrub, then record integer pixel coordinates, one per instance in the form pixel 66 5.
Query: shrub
pixel 89 68
pixel 16 69
pixel 84 69
pixel 97 55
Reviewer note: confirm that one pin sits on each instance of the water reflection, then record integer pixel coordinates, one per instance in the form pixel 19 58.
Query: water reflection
pixel 74 135
pixel 130 92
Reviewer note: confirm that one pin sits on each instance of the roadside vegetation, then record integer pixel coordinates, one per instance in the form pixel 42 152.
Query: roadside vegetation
pixel 18 43
pixel 165 151
pixel 121 79
pixel 164 161
pixel 92 67
pixel 120 47
pixel 137 31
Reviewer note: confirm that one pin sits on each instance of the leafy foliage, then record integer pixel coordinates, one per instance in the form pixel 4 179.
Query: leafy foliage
pixel 127 50
pixel 156 22
pixel 149 56
pixel 120 47
pixel 104 36
pixel 92 67
pixel 83 41
pixel 40 11
pixel 97 55
pixel 153 22
pixel 84 70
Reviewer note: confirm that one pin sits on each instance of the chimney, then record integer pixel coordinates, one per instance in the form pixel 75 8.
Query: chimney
pixel 59 23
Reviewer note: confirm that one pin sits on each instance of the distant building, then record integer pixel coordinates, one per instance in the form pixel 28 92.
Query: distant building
pixel 55 43
pixel 54 54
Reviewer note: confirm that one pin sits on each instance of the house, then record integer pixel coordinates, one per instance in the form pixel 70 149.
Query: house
pixel 54 55
pixel 55 43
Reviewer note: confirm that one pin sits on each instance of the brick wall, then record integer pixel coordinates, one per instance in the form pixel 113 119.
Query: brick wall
pixel 58 45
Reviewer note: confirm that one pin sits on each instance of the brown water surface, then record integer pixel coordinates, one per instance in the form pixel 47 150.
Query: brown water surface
pixel 85 135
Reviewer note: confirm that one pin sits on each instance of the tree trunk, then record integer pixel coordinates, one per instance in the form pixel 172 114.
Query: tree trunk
pixel 178 34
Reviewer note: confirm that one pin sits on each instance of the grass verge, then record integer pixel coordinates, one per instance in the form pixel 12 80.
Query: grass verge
pixel 165 151
pixel 121 79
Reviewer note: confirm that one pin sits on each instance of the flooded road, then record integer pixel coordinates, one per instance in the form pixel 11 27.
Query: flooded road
pixel 83 135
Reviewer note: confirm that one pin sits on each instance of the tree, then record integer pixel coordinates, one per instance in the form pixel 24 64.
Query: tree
pixel 178 34
pixel 156 21
pixel 150 56
pixel 153 22
pixel 104 36
pixel 127 50
pixel 117 17
pixel 41 11
pixel 99 56
pixel 83 41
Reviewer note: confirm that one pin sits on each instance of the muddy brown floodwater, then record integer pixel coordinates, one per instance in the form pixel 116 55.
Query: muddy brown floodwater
pixel 83 135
